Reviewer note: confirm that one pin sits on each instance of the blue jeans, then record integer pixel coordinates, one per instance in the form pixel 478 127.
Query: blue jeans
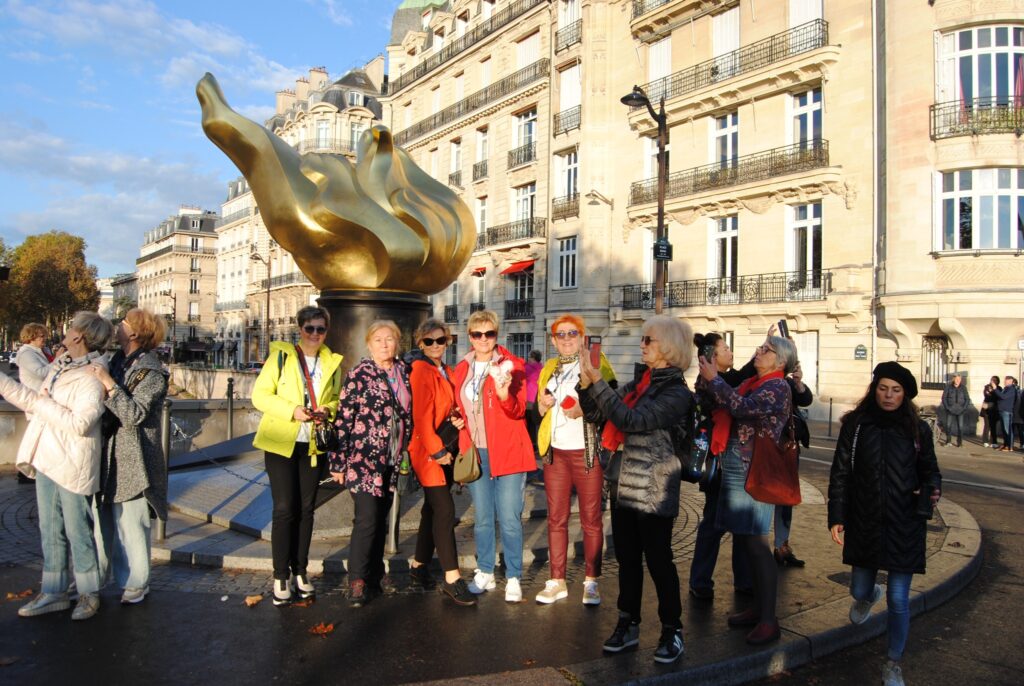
pixel 897 597
pixel 783 523
pixel 66 518
pixel 123 538
pixel 705 549
pixel 502 496
pixel 1007 418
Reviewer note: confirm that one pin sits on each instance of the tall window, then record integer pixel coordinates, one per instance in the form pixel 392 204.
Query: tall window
pixel 456 156
pixel 407 115
pixel 481 214
pixel 523 201
pixel 193 264
pixel 435 100
pixel 486 8
pixel 460 86
pixel 568 12
pixel 807 118
pixel 485 70
pixel 433 163
pixel 727 236
pixel 568 174
pixel 981 65
pixel 461 23
pixel 803 11
pixel 481 291
pixel 482 150
pixel 355 132
pixel 528 50
pixel 651 157
pixel 725 39
pixel 520 285
pixel 193 285
pixel 520 344
pixel 194 242
pixel 981 209
pixel 569 88
pixel 727 139
pixel 196 223
pixel 526 127
pixel 453 294
pixel 438 40
pixel 567 262
pixel 934 354
pixel 807 244
pixel 659 65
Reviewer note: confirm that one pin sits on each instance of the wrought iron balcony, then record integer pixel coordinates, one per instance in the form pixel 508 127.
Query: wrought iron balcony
pixel 451 313
pixel 455 179
pixel 565 207
pixel 803 38
pixel 755 288
pixel 523 229
pixel 519 309
pixel 567 120
pixel 195 317
pixel 285 280
pixel 642 7
pixel 759 166
pixel 480 170
pixel 233 305
pixel 322 144
pixel 524 154
pixel 483 97
pixel 1001 114
pixel 570 35
pixel 477 307
pixel 233 217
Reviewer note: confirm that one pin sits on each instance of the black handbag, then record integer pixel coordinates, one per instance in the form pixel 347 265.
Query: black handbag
pixel 324 433
pixel 449 436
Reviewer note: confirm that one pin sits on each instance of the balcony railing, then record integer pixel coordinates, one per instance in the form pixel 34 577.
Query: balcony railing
pixel 455 179
pixel 476 307
pixel 480 170
pixel 565 207
pixel 335 145
pixel 519 309
pixel 755 288
pixel 233 217
pixel 517 157
pixel 195 317
pixel 762 165
pixel 233 305
pixel 451 313
pixel 523 229
pixel 182 249
pixel 285 280
pixel 1001 114
pixel 803 38
pixel 464 42
pixel 483 97
pixel 570 35
pixel 642 7
pixel 567 120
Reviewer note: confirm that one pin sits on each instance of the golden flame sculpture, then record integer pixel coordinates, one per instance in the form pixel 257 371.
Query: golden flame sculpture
pixel 382 223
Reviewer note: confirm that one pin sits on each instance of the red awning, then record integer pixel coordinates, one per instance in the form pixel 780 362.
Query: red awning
pixel 519 267
pixel 479 271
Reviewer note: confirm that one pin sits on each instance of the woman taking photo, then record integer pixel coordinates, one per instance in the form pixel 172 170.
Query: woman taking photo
pixel 884 481
pixel 760 407
pixel 491 394
pixel 433 405
pixel 374 425
pixel 640 424
pixel 569 447
pixel 133 473
pixel 61 449
pixel 296 389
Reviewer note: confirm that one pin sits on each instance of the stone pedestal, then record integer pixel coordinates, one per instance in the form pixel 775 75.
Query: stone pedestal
pixel 352 312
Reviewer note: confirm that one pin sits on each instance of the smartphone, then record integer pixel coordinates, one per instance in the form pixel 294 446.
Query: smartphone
pixel 783 328
pixel 594 344
pixel 708 353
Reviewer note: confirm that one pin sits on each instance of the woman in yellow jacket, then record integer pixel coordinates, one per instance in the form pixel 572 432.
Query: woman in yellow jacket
pixel 297 388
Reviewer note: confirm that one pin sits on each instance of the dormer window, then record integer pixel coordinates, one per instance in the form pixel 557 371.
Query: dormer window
pixel 355 99
pixel 426 18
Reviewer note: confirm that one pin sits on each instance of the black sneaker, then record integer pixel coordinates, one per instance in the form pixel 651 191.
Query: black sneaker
pixel 458 592
pixel 670 645
pixel 626 634
pixel 420 576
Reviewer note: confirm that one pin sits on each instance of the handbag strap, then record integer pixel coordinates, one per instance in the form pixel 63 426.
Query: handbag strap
pixel 308 386
pixel 853 451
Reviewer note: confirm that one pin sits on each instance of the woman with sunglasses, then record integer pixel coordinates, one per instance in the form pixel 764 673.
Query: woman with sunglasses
pixel 297 388
pixel 433 406
pixel 491 394
pixel 569 446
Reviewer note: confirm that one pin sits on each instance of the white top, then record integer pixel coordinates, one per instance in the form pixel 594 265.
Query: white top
pixel 316 374
pixel 566 434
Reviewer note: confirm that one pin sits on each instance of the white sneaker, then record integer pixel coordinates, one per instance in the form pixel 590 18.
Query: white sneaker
pixel 892 674
pixel 88 605
pixel 282 592
pixel 986 445
pixel 134 595
pixel 45 603
pixel 591 595
pixel 513 593
pixel 861 609
pixel 482 581
pixel 301 585
pixel 554 589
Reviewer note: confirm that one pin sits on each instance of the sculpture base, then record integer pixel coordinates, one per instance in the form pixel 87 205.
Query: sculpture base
pixel 352 312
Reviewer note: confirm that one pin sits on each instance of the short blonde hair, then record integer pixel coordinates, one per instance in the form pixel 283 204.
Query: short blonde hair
pixel 96 331
pixel 31 331
pixel 149 329
pixel 481 316
pixel 426 327
pixel 384 324
pixel 675 339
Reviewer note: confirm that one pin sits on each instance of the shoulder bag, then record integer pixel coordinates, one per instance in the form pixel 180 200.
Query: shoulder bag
pixel 467 466
pixel 773 477
pixel 325 434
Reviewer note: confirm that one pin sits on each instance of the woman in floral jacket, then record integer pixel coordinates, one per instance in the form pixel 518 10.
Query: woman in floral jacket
pixel 374 424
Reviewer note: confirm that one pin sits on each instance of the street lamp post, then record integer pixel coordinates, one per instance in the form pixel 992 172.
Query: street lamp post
pixel 662 248
pixel 174 321
pixel 256 257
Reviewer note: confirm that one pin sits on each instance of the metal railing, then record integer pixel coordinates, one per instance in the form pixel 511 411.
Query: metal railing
pixel 464 42
pixel 455 179
pixel 755 288
pixel 803 38
pixel 642 7
pixel 285 280
pixel 762 165
pixel 483 97
pixel 565 207
pixel 233 217
pixel 519 309
pixel 451 313
pixel 233 305
pixel 570 35
pixel 1000 114
pixel 521 230
pixel 195 318
pixel 480 170
pixel 335 145
pixel 182 249
pixel 567 120
pixel 477 307
pixel 517 157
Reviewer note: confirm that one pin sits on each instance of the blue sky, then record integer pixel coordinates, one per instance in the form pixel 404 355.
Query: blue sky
pixel 103 138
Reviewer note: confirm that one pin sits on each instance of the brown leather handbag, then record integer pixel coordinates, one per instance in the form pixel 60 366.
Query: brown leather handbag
pixel 773 477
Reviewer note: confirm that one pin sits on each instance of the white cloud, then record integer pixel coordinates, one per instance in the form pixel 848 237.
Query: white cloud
pixel 335 12
pixel 258 113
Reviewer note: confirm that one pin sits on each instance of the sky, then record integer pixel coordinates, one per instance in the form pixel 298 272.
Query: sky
pixel 103 136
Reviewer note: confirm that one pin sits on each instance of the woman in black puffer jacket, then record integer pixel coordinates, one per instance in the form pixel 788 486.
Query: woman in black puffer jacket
pixel 884 459
pixel 645 422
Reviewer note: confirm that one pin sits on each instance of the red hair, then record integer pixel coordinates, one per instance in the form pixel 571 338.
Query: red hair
pixel 573 319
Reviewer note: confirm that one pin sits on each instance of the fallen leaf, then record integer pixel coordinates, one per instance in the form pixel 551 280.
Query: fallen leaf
pixel 23 594
pixel 8 660
pixel 303 603
pixel 529 663
pixel 321 629
pixel 253 600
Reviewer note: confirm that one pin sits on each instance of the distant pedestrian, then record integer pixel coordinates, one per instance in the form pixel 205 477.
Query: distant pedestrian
pixel 32 362
pixel 802 397
pixel 955 402
pixel 1006 401
pixel 883 468
pixel 990 412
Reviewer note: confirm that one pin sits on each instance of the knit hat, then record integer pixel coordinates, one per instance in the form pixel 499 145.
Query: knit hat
pixel 898 373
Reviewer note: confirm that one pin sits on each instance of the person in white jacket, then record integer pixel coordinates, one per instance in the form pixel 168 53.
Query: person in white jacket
pixel 61 449
pixel 31 360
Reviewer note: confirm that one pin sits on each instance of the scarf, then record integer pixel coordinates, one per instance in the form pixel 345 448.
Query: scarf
pixel 722 418
pixel 120 364
pixel 612 436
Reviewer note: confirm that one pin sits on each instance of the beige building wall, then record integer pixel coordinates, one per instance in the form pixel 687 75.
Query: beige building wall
pixel 236 228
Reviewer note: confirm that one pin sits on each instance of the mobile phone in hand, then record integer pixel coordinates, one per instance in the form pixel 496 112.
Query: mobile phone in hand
pixel 783 328
pixel 708 353
pixel 594 344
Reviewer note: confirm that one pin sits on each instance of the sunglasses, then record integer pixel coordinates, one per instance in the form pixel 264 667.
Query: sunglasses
pixel 310 329
pixel 477 335
pixel 573 333
pixel 440 340
pixel 647 340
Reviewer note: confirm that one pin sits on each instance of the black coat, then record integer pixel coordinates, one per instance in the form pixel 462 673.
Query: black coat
pixel 871 493
pixel 654 430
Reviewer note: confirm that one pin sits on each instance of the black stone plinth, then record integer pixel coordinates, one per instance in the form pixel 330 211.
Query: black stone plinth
pixel 352 312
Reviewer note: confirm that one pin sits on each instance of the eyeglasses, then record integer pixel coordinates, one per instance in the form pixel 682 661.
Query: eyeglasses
pixel 765 349
pixel 440 340
pixel 477 335
pixel 573 333
pixel 647 340
pixel 310 329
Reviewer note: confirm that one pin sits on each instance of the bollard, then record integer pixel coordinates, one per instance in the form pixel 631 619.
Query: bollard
pixel 830 417
pixel 231 407
pixel 392 547
pixel 165 439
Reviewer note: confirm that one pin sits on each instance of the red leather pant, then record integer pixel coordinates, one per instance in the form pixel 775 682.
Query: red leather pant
pixel 567 470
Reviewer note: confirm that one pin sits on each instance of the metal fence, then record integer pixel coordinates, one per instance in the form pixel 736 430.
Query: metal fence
pixel 567 120
pixel 519 309
pixel 522 229
pixel 570 35
pixel 480 170
pixel 1001 114
pixel 524 154
pixel 754 288
pixel 565 207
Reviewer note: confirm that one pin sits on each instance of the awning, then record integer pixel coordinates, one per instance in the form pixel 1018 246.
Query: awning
pixel 517 267
pixel 232 346
pixel 217 346
pixel 479 271
pixel 196 346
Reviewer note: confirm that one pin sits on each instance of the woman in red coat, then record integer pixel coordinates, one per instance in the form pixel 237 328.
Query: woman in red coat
pixel 433 405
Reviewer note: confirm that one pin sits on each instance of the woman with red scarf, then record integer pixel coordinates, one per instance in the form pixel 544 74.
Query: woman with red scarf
pixel 761 406
pixel 639 421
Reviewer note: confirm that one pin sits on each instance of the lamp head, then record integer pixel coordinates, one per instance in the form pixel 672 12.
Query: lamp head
pixel 635 98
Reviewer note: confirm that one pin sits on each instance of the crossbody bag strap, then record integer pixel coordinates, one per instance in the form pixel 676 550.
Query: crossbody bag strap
pixel 307 389
pixel 853 450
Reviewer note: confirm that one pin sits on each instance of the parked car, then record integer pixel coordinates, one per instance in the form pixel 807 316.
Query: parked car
pixel 251 366
pixel 5 356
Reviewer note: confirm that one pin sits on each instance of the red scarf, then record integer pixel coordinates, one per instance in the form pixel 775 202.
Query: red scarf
pixel 722 419
pixel 612 436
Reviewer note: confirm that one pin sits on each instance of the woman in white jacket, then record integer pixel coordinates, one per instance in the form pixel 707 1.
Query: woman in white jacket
pixel 61 449
pixel 31 360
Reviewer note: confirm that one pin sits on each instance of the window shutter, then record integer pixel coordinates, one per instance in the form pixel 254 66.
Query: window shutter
pixel 569 88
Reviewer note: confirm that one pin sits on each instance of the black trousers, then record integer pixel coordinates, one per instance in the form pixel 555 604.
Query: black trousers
pixel 369 533
pixel 638 536
pixel 293 485
pixel 437 525
pixel 954 427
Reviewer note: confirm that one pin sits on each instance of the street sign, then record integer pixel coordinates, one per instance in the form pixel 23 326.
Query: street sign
pixel 663 250
pixel 860 352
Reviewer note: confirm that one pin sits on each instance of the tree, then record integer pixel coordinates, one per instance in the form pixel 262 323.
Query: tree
pixel 5 296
